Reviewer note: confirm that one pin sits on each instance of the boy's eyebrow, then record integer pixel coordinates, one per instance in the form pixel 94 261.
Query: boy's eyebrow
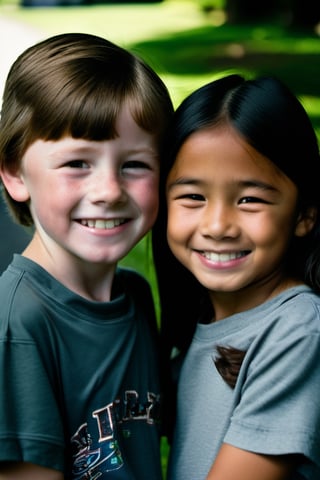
pixel 142 149
pixel 84 149
pixel 71 148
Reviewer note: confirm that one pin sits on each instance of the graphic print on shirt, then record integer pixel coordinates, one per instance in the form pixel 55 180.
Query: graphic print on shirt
pixel 96 451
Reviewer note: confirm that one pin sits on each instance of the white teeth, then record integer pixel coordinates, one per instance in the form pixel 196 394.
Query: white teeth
pixel 90 223
pixel 222 257
pixel 102 224
pixel 111 223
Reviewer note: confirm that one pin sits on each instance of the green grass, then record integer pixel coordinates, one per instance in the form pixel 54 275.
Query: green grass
pixel 188 49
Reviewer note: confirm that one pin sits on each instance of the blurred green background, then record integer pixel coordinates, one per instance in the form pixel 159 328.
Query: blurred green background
pixel 189 43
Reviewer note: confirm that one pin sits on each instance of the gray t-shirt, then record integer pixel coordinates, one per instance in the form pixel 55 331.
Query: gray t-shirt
pixel 275 406
pixel 79 385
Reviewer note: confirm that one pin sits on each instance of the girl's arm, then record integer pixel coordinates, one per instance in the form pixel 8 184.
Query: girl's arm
pixel 232 462
pixel 27 471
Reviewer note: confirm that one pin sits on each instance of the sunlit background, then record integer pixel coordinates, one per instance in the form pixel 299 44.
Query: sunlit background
pixel 188 42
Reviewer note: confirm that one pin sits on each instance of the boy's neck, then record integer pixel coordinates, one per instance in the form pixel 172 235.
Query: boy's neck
pixel 91 281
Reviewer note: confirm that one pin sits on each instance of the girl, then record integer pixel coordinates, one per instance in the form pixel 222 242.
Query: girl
pixel 241 207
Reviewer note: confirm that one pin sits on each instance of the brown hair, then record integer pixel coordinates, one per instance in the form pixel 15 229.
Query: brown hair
pixel 75 84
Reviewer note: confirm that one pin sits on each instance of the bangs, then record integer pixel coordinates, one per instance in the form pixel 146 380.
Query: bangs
pixel 76 85
pixel 86 111
pixel 89 109
pixel 78 90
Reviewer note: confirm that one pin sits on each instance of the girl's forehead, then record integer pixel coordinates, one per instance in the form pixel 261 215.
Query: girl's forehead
pixel 218 147
pixel 221 154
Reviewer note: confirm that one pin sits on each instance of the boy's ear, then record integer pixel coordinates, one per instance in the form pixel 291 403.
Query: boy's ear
pixel 306 221
pixel 14 184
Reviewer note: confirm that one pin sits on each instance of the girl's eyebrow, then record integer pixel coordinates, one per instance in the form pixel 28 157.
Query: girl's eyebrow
pixel 184 181
pixel 257 184
pixel 242 183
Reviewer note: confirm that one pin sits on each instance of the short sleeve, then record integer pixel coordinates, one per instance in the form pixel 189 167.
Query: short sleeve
pixel 30 422
pixel 278 409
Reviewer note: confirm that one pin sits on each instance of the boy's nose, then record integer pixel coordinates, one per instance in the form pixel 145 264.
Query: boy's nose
pixel 108 188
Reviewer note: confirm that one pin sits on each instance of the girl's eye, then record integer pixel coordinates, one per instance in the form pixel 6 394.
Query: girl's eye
pixel 193 196
pixel 251 200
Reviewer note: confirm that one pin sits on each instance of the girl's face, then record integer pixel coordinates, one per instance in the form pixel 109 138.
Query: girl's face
pixel 231 213
pixel 91 201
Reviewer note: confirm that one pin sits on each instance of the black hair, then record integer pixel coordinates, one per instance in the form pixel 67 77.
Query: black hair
pixel 271 119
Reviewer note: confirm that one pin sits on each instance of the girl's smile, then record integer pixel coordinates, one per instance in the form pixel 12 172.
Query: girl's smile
pixel 223 260
pixel 227 204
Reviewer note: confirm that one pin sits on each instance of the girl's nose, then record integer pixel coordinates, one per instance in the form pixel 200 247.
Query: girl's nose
pixel 218 221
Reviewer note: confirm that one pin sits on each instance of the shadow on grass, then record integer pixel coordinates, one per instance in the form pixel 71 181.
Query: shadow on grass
pixel 291 55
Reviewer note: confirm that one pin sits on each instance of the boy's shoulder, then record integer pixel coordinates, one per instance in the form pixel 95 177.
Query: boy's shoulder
pixel 139 288
pixel 11 276
pixel 134 282
pixel 23 275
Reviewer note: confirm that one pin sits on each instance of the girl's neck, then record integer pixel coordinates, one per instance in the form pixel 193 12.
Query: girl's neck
pixel 226 304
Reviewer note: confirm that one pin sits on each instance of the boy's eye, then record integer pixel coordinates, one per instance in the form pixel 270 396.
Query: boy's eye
pixel 77 164
pixel 133 164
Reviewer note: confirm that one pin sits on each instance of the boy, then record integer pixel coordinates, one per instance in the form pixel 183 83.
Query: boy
pixel 81 126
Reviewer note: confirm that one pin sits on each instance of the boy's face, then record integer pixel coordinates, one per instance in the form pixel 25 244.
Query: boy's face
pixel 92 200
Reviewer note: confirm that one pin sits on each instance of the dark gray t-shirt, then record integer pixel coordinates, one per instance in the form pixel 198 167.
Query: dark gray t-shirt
pixel 79 385
pixel 274 408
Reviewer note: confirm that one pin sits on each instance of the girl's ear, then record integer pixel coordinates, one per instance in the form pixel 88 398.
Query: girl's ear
pixel 14 184
pixel 306 221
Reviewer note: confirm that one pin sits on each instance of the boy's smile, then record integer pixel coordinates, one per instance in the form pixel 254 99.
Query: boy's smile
pixel 102 223
pixel 91 200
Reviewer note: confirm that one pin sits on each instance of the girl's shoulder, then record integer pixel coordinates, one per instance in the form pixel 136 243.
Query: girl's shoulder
pixel 294 313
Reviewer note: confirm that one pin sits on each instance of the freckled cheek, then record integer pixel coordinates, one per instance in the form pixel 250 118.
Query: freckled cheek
pixel 47 212
pixel 148 200
pixel 52 201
